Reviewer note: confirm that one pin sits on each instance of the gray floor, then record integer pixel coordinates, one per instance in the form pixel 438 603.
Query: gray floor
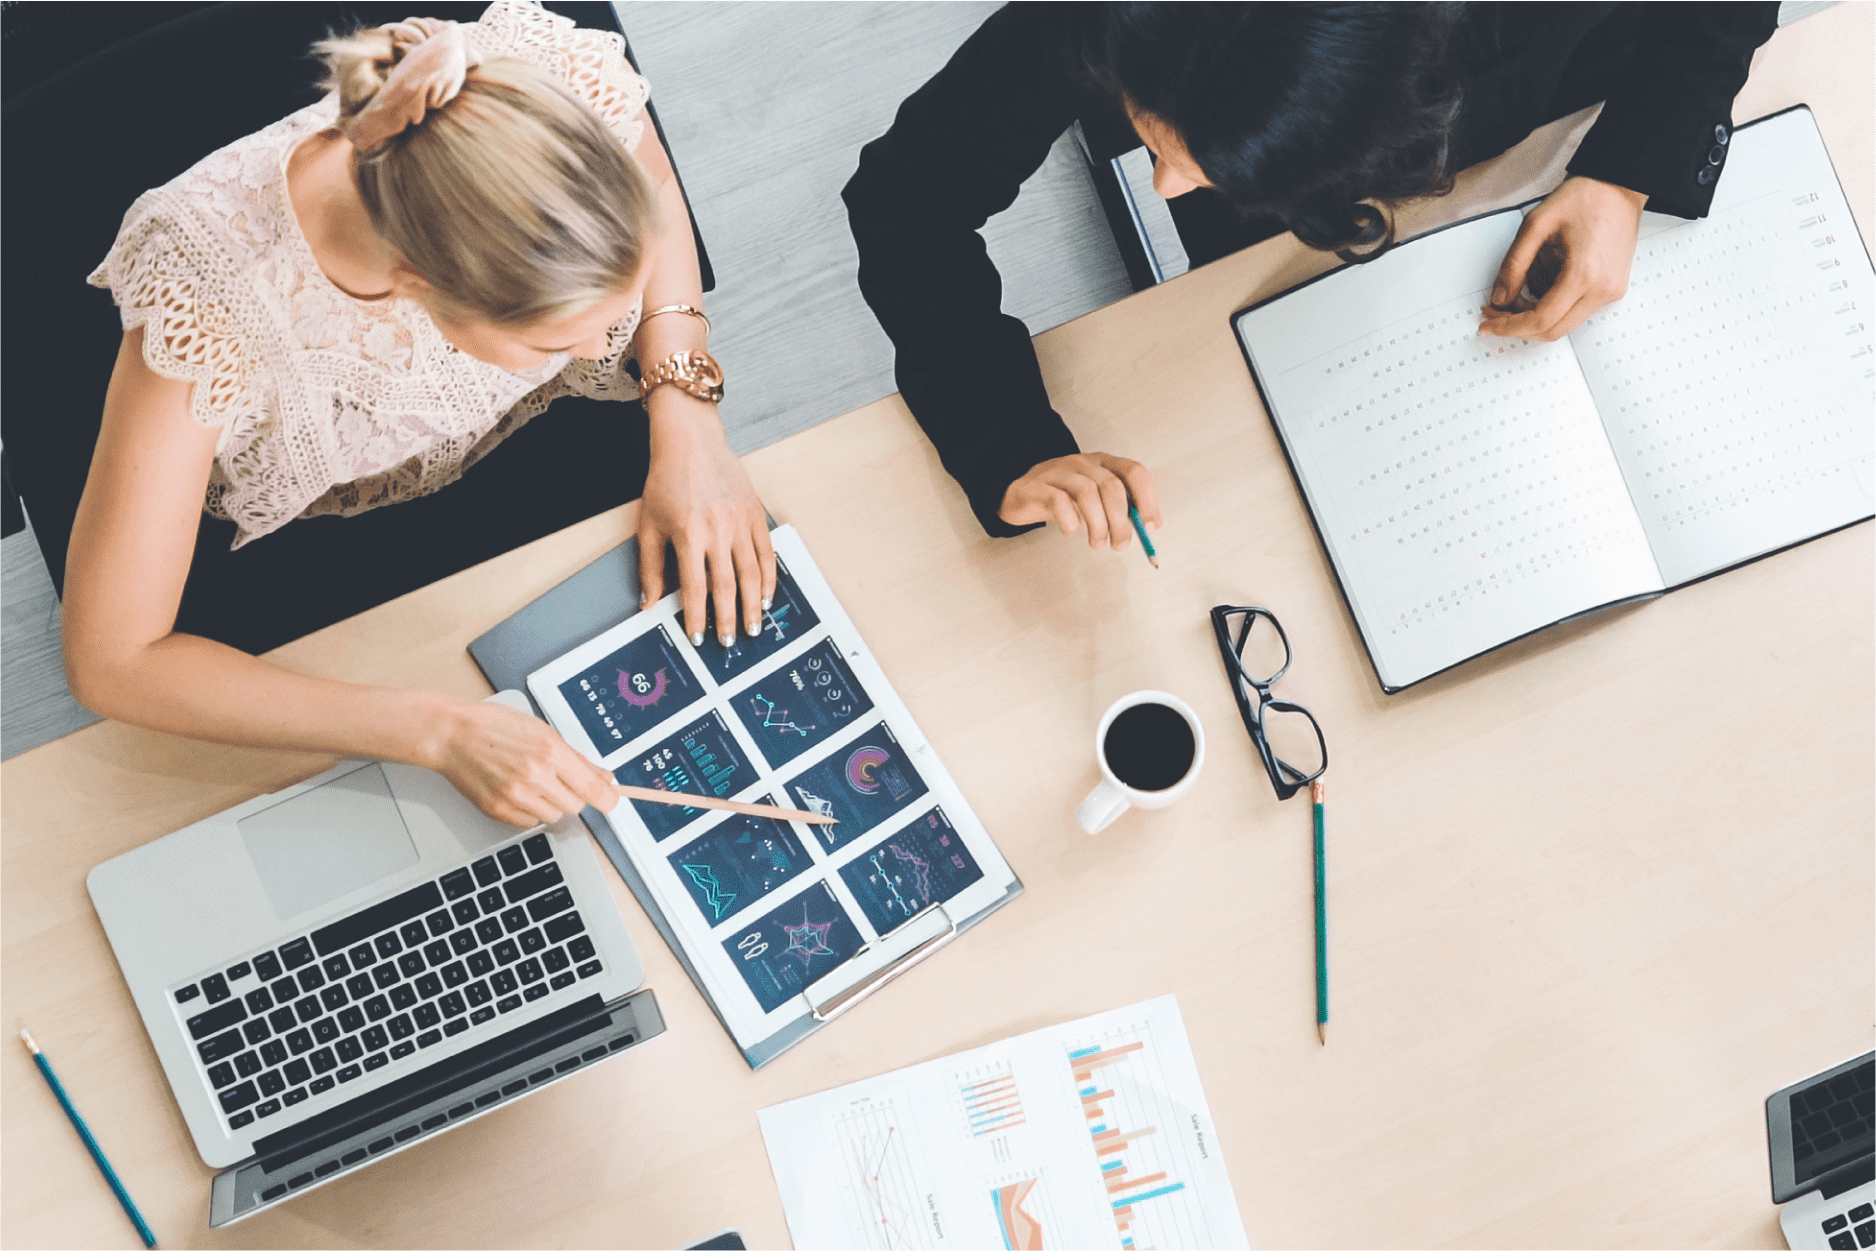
pixel 766 107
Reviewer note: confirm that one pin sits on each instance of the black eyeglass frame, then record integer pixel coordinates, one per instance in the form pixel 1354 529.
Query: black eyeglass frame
pixel 1285 778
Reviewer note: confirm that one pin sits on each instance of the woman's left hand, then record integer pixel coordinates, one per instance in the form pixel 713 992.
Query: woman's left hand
pixel 699 499
pixel 1592 227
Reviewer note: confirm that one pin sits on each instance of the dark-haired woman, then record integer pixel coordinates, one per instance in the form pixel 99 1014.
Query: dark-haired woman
pixel 1261 118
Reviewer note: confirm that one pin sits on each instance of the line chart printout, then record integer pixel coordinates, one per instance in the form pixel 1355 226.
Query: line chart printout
pixel 1090 1134
pixel 775 916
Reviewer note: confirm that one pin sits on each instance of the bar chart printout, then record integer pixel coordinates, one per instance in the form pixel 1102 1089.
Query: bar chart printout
pixel 1090 1134
pixel 992 1103
pixel 1119 1090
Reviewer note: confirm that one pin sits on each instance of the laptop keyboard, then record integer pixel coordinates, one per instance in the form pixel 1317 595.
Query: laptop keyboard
pixel 298 1021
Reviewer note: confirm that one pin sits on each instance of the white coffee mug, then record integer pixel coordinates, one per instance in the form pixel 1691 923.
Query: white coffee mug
pixel 1112 796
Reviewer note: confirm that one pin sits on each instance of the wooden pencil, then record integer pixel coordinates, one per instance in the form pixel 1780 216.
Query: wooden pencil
pixel 680 799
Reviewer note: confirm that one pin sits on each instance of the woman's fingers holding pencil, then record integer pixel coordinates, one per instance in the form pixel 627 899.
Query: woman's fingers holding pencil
pixel 1139 480
pixel 1089 490
pixel 514 767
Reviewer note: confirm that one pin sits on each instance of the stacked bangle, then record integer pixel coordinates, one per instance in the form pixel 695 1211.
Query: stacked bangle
pixel 698 313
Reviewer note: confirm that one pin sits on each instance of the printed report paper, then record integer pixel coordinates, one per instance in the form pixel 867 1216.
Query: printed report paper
pixel 1090 1134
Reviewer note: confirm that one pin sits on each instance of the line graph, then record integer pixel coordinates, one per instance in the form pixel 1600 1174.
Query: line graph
pixel 883 1185
pixel 706 879
pixel 774 718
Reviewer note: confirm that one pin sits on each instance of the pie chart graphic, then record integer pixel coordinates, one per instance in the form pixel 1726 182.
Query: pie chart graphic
pixel 860 767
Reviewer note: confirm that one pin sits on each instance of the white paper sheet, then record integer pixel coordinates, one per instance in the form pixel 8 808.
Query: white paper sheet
pixel 1090 1134
pixel 772 913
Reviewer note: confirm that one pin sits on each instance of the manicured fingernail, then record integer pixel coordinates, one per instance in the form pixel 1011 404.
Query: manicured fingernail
pixel 696 640
pixel 726 638
pixel 644 600
pixel 754 626
pixel 767 604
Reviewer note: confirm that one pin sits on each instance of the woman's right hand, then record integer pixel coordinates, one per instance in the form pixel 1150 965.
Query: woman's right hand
pixel 515 768
pixel 1088 489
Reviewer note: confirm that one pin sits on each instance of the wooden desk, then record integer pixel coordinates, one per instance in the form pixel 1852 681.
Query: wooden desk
pixel 1593 897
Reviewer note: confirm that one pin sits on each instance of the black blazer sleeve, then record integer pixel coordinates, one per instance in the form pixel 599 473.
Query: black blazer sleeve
pixel 957 153
pixel 1665 130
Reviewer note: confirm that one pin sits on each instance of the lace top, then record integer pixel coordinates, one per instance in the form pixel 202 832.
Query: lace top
pixel 326 403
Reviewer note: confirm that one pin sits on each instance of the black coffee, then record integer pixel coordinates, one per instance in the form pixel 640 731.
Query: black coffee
pixel 1149 747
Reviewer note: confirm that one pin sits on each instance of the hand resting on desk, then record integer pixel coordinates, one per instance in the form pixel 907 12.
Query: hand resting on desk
pixel 1594 225
pixel 1088 489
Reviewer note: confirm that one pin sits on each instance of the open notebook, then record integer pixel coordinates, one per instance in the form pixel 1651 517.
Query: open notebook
pixel 1471 489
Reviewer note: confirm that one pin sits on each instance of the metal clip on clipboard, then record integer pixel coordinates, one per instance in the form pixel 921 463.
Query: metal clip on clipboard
pixel 842 1000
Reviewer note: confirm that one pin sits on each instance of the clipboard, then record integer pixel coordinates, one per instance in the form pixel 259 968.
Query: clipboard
pixel 589 603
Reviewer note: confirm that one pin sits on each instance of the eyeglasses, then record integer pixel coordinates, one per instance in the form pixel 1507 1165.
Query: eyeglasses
pixel 1256 653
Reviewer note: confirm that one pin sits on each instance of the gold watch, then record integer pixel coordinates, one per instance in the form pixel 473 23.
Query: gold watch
pixel 695 373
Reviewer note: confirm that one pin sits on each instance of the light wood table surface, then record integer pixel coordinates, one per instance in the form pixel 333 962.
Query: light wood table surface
pixel 1592 897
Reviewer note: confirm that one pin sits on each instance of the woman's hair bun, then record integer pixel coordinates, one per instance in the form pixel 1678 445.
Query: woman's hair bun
pixel 356 66
pixel 513 199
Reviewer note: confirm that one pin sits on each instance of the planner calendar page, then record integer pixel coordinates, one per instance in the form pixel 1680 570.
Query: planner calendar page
pixel 1462 483
pixel 799 717
pixel 1736 378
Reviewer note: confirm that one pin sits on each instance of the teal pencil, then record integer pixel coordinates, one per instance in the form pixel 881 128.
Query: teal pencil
pixel 1322 926
pixel 91 1144
pixel 1139 528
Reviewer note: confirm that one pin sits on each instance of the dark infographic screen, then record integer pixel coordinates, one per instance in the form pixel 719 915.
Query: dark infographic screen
pixel 631 690
pixel 787 618
pixel 738 863
pixel 701 759
pixel 860 786
pixel 922 864
pixel 794 946
pixel 796 708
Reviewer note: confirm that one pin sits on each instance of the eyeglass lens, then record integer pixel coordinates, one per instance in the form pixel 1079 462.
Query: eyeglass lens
pixel 1263 653
pixel 1292 737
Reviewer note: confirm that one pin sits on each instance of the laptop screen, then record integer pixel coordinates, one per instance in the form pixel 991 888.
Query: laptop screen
pixel 1831 1122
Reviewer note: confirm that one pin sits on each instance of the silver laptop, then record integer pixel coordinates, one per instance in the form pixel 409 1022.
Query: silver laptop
pixel 1821 1133
pixel 337 971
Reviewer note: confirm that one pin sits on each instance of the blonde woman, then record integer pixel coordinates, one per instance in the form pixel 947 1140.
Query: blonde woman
pixel 351 307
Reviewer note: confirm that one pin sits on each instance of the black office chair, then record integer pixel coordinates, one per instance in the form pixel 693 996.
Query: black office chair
pixel 105 101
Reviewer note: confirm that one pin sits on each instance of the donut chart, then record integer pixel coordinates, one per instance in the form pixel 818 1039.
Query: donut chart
pixel 860 767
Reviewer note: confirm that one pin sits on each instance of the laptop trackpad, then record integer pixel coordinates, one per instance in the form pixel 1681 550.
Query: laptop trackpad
pixel 328 842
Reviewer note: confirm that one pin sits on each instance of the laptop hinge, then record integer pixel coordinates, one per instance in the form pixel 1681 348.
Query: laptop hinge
pixel 456 1072
pixel 1851 1175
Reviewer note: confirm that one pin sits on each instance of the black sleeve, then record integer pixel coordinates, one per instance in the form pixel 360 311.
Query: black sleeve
pixel 1664 132
pixel 957 153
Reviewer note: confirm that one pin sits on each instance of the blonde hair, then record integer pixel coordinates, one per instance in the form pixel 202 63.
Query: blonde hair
pixel 513 200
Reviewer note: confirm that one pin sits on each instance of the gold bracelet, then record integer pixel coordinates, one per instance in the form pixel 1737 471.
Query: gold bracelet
pixel 698 313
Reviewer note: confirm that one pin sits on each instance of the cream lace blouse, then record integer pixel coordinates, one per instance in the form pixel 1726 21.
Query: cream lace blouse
pixel 328 404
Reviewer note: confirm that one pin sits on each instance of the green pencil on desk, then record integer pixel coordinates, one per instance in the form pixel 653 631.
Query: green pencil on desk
pixel 91 1144
pixel 1322 926
pixel 1139 528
